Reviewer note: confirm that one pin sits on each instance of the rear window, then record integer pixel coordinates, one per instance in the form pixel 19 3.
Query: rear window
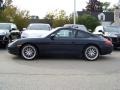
pixel 81 34
pixel 39 27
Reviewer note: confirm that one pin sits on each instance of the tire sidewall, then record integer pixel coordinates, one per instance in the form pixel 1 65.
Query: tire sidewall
pixel 87 57
pixel 33 47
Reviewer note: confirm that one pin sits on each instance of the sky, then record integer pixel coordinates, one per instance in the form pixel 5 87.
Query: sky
pixel 42 7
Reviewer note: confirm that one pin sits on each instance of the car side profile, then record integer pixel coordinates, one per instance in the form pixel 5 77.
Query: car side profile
pixel 62 41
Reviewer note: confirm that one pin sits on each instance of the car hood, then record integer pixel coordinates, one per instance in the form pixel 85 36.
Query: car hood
pixel 112 34
pixel 3 32
pixel 34 33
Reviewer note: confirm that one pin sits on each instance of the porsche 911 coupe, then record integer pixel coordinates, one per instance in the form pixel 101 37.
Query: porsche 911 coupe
pixel 62 41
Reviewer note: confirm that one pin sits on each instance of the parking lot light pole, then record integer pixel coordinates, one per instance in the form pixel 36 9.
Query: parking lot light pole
pixel 74 18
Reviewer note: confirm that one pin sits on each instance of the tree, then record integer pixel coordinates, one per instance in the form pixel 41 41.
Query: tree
pixel 89 21
pixel 8 3
pixel 94 6
pixel 105 6
pixel 14 15
pixel 50 17
pixel 58 18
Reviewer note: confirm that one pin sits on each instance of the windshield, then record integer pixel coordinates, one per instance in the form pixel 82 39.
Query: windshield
pixel 50 32
pixel 4 26
pixel 39 27
pixel 112 29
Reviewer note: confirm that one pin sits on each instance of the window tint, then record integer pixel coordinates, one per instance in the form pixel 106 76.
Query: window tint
pixel 65 34
pixel 81 34
pixel 39 27
pixel 4 26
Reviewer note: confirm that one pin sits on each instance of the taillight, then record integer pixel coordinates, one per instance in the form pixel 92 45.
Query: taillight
pixel 108 42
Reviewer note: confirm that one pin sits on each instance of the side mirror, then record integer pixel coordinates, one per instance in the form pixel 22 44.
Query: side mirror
pixel 52 36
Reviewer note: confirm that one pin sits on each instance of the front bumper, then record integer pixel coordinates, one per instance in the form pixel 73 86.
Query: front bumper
pixel 3 39
pixel 13 50
pixel 116 41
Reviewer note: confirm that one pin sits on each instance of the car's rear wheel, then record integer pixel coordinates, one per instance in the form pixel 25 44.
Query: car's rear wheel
pixel 91 53
pixel 29 52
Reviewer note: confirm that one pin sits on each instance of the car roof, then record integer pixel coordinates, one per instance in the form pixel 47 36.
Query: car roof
pixel 69 28
pixel 77 26
pixel 6 23
pixel 39 24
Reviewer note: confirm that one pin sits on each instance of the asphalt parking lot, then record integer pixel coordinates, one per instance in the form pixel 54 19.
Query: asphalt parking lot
pixel 59 73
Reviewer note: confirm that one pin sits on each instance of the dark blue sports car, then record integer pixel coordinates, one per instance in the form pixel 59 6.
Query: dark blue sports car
pixel 62 41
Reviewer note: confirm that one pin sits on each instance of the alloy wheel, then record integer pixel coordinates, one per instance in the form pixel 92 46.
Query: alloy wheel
pixel 28 52
pixel 91 53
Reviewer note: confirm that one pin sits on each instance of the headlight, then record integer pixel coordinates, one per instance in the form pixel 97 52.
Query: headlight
pixel 110 34
pixel 4 38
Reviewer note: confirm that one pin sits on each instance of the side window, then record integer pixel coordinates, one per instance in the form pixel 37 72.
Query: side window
pixel 81 34
pixel 65 34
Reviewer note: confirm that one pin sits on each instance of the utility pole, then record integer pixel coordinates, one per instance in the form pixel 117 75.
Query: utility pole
pixel 74 12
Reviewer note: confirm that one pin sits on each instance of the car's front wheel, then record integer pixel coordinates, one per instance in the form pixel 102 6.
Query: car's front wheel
pixel 91 53
pixel 29 52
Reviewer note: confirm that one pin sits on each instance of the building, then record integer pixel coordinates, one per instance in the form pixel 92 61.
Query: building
pixel 106 18
pixel 117 15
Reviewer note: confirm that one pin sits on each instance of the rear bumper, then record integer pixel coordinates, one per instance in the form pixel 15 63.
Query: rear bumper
pixel 106 50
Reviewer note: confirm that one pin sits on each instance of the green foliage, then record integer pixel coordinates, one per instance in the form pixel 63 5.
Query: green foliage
pixel 89 21
pixel 58 18
pixel 14 15
pixel 8 3
pixel 94 6
pixel 98 6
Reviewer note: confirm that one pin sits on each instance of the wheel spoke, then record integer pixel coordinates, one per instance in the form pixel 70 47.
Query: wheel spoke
pixel 91 53
pixel 28 52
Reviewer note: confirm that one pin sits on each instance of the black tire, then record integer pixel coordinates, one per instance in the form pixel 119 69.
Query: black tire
pixel 91 53
pixel 29 52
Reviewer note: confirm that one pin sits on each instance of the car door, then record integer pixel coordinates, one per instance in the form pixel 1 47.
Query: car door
pixel 62 43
